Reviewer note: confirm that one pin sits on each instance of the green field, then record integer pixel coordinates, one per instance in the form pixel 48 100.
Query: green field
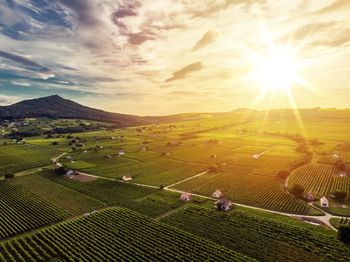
pixel 115 234
pixel 265 238
pixel 22 210
pixel 72 201
pixel 15 158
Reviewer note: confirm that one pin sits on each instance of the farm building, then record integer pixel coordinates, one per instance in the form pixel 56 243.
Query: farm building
pixel 217 194
pixel 121 153
pixel 127 178
pixel 324 202
pixel 224 204
pixel 342 174
pixel 185 196
pixel 310 197
pixel 70 172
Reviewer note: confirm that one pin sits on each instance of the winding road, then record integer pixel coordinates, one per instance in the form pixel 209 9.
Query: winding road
pixel 324 219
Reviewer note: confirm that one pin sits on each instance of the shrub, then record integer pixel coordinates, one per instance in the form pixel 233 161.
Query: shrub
pixel 344 233
pixel 297 190
pixel 283 174
pixel 339 195
pixel 9 175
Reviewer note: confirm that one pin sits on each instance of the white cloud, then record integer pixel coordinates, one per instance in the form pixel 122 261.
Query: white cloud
pixel 17 83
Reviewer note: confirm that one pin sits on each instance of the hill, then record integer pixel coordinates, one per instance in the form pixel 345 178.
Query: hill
pixel 57 107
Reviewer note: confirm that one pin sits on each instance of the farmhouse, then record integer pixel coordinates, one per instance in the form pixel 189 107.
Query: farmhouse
pixel 324 202
pixel 121 153
pixel 185 196
pixel 127 178
pixel 342 174
pixel 217 194
pixel 70 172
pixel 224 204
pixel 310 197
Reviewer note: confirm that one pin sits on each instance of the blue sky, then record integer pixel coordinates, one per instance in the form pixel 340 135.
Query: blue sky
pixel 156 57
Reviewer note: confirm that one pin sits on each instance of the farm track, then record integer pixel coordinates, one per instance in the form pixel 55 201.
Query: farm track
pixel 325 219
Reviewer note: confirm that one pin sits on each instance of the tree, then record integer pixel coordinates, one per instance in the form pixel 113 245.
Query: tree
pixel 213 168
pixel 297 190
pixel 340 166
pixel 9 175
pixel 55 143
pixel 344 233
pixel 60 171
pixel 283 174
pixel 339 195
pixel 161 187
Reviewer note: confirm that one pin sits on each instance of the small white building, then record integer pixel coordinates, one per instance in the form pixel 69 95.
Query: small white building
pixel 224 204
pixel 217 194
pixel 324 202
pixel 342 174
pixel 121 153
pixel 185 196
pixel 70 172
pixel 127 178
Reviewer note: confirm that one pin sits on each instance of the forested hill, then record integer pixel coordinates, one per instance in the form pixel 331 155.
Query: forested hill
pixel 57 107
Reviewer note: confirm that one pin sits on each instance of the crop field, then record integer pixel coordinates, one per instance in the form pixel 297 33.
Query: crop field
pixel 342 184
pixel 316 178
pixel 72 201
pixel 240 185
pixel 115 234
pixel 265 238
pixel 15 158
pixel 148 201
pixel 22 210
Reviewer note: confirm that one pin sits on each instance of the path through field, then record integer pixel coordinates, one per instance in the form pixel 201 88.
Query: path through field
pixel 325 219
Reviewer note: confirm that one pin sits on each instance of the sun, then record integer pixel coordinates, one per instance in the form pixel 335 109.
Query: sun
pixel 276 70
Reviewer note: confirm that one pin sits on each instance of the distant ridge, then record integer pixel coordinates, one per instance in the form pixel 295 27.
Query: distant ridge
pixel 57 107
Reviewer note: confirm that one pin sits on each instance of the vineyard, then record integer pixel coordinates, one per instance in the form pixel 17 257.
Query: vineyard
pixel 74 202
pixel 261 237
pixel 342 184
pixel 315 178
pixel 148 201
pixel 242 187
pixel 115 234
pixel 14 158
pixel 22 211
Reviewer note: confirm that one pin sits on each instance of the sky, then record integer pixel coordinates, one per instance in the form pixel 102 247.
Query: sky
pixel 158 57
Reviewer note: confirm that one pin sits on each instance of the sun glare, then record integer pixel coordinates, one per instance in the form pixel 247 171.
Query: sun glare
pixel 278 70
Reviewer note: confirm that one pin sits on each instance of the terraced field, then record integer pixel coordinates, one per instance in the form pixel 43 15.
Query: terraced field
pixel 115 234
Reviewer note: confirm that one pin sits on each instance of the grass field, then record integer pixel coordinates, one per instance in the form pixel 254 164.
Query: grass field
pixel 265 238
pixel 115 234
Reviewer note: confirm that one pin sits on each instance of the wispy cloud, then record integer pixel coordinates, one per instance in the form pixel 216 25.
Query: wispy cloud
pixel 185 71
pixel 117 54
pixel 206 39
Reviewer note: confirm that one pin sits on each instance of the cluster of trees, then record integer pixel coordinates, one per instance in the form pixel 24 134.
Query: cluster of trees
pixel 344 233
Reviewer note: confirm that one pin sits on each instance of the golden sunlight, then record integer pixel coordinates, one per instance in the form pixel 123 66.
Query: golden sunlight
pixel 278 70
